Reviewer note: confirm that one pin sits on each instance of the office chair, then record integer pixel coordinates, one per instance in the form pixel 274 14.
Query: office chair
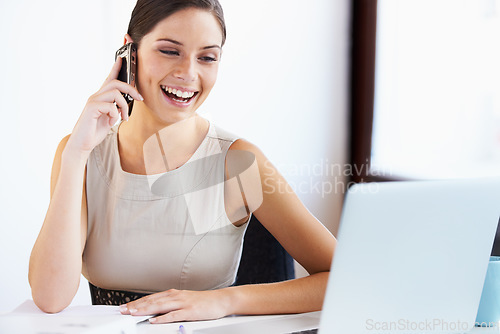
pixel 495 251
pixel 263 260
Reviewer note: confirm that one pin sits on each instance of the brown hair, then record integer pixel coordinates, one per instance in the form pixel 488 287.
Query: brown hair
pixel 147 13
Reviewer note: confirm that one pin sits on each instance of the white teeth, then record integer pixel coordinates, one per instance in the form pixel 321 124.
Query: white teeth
pixel 178 93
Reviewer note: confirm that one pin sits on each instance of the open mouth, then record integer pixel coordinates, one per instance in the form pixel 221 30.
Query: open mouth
pixel 178 95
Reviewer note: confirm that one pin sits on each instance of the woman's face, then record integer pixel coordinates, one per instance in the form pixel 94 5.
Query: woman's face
pixel 178 63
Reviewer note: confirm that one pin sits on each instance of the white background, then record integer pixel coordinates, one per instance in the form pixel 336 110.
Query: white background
pixel 283 85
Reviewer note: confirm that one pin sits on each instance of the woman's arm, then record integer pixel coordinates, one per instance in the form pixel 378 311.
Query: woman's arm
pixel 283 214
pixel 56 259
pixel 280 210
pixel 294 296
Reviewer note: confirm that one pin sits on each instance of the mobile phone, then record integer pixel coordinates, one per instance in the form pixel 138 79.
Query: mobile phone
pixel 127 74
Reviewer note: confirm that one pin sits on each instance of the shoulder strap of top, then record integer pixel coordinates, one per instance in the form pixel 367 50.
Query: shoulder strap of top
pixel 222 134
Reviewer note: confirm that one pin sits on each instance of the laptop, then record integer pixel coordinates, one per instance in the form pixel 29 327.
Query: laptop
pixel 411 258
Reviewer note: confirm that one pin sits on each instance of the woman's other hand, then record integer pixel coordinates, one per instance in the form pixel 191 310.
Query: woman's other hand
pixel 102 111
pixel 180 305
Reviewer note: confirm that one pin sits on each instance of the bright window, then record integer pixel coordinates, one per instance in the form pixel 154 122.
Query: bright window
pixel 437 89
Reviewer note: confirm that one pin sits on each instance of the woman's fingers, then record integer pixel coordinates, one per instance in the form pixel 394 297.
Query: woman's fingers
pixel 115 70
pixel 120 102
pixel 127 89
pixel 109 109
pixel 103 110
pixel 113 97
pixel 174 316
pixel 162 302
pixel 179 305
pixel 112 82
pixel 121 87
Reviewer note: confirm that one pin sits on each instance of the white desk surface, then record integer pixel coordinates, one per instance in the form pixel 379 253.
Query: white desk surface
pixel 27 316
pixel 146 328
pixel 269 324
pixel 300 323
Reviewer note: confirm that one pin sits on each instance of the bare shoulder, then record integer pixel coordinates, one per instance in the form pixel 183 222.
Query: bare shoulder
pixel 243 152
pixel 244 145
pixel 251 149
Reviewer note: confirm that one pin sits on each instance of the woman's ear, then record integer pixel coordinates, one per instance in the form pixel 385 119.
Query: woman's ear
pixel 127 39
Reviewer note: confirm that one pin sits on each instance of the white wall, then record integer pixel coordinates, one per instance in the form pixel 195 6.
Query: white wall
pixel 282 85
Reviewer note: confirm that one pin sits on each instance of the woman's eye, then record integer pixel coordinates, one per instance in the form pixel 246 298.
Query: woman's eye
pixel 170 52
pixel 208 59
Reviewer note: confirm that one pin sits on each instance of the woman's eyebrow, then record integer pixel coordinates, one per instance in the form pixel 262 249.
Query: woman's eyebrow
pixel 171 41
pixel 212 47
pixel 180 44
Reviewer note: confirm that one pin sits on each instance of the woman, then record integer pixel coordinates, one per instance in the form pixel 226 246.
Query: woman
pixel 158 204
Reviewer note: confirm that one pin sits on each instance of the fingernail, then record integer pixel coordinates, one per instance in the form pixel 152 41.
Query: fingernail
pixel 132 310
pixel 141 98
pixel 152 320
pixel 123 308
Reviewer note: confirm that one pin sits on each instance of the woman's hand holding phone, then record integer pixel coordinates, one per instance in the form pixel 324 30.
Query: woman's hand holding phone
pixel 102 111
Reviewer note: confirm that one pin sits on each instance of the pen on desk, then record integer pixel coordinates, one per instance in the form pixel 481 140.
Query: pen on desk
pixel 181 330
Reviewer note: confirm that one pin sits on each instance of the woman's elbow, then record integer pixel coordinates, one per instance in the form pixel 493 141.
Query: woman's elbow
pixel 49 299
pixel 49 304
pixel 49 294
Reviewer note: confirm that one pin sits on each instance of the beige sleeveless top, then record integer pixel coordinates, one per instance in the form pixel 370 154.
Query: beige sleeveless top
pixel 151 233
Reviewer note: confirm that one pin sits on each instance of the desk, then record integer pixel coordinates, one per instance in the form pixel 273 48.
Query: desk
pixel 271 324
pixel 254 324
pixel 28 318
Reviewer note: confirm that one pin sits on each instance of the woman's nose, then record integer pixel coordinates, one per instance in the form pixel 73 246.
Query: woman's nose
pixel 186 69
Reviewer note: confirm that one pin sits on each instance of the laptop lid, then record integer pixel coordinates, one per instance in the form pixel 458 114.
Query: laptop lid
pixel 411 256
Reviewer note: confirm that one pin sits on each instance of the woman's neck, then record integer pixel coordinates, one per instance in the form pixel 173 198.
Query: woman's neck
pixel 156 145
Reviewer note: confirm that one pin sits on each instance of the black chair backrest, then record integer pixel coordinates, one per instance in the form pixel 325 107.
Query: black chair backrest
pixel 263 259
pixel 496 243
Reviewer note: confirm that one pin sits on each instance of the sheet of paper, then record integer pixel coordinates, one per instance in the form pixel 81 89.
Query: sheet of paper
pixel 29 308
pixel 27 318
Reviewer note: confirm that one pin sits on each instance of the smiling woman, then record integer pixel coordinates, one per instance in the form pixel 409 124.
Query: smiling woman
pixel 157 204
pixel 179 57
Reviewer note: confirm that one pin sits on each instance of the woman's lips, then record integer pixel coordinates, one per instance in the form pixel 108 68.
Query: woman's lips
pixel 178 97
